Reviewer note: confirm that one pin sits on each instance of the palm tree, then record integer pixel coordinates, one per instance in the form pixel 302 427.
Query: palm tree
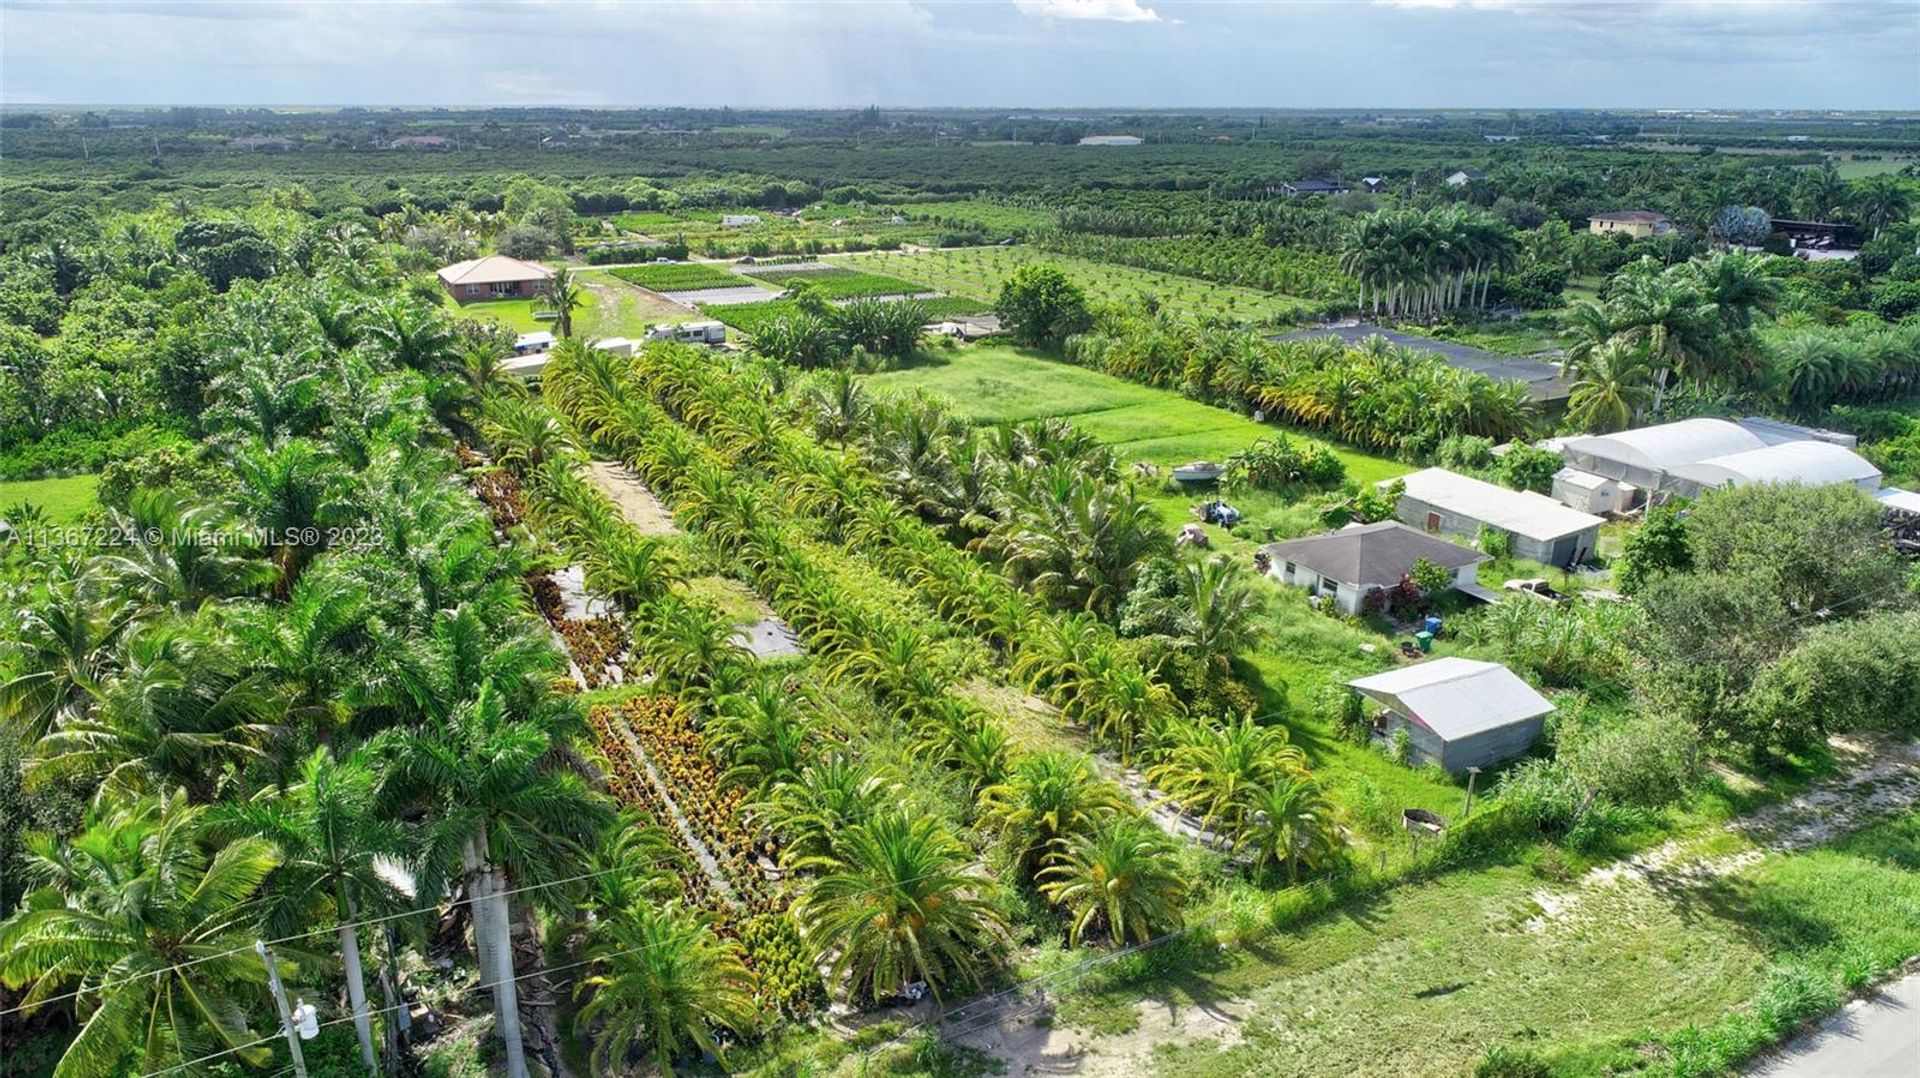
pixel 287 494
pixel 1122 703
pixel 335 843
pixel 662 980
pixel 1613 385
pixel 763 732
pixel 413 337
pixel 1218 771
pixel 1291 823
pixel 179 554
pixel 565 295
pixel 1047 799
pixel 630 570
pixel 501 805
pixel 1081 550
pixel 1880 200
pixel 1222 606
pixel 120 910
pixel 318 647
pixel 895 903
pixel 1122 881
pixel 812 811
pixel 62 653
pixel 689 646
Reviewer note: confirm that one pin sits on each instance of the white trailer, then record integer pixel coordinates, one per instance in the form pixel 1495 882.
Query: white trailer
pixel 690 333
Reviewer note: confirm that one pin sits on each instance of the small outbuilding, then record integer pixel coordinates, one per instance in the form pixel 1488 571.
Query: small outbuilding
pixel 1346 565
pixel 1459 713
pixel 1537 527
pixel 1590 493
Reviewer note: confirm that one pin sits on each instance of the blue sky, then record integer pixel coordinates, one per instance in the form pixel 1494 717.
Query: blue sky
pixel 1163 53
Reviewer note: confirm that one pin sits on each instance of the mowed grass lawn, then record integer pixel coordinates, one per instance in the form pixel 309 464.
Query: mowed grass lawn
pixel 1425 979
pixel 64 500
pixel 611 308
pixel 978 272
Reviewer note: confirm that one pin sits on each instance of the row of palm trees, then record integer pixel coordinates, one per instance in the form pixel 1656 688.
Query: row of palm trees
pixel 1423 263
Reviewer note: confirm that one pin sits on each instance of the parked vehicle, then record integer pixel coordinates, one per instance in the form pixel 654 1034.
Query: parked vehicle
pixel 1538 588
pixel 690 333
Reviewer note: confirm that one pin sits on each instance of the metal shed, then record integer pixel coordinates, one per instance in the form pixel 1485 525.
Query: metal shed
pixel 1539 527
pixel 1460 713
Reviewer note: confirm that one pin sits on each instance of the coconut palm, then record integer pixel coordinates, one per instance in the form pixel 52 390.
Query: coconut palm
pixel 1612 386
pixel 1047 799
pixel 895 903
pixel 1221 606
pixel 181 554
pixel 62 653
pixel 1081 550
pixel 1123 881
pixel 120 910
pixel 339 852
pixel 662 983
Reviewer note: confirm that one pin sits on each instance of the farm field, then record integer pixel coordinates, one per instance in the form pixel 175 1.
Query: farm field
pixel 752 317
pixel 836 282
pixel 978 272
pixel 612 308
pixel 64 500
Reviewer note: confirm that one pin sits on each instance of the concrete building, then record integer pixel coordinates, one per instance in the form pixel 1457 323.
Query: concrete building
pixel 495 277
pixel 1636 223
pixel 1536 526
pixel 1776 431
pixel 1345 566
pixel 1459 713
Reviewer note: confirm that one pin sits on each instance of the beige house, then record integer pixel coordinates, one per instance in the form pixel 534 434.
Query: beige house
pixel 494 277
pixel 1636 223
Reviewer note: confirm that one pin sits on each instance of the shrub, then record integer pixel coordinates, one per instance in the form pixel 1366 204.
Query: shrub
pixel 1503 1062
pixel 1526 467
pixel 525 241
pixel 1464 452
pixel 1646 760
pixel 1495 543
pixel 1283 461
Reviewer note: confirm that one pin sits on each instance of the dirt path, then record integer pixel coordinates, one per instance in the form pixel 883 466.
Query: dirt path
pixel 1882 781
pixel 636 503
pixel 1879 782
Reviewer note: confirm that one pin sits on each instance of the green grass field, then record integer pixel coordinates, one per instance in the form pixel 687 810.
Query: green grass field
pixel 979 271
pixel 519 315
pixel 64 500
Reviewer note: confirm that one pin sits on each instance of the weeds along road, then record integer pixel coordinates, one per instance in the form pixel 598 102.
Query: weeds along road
pixel 1874 1037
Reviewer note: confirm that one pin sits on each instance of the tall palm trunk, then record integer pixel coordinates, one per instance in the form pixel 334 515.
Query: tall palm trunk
pixel 356 980
pixel 506 998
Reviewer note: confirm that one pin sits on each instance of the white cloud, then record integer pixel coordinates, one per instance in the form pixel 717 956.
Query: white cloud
pixel 1088 10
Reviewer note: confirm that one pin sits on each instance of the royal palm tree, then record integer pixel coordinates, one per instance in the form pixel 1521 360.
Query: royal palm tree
pixel 896 903
pixel 120 911
pixel 338 850
pixel 1123 881
pixel 662 983
pixel 1046 800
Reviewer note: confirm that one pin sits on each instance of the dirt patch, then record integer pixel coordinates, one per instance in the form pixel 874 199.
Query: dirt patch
pixel 636 503
pixel 1029 1043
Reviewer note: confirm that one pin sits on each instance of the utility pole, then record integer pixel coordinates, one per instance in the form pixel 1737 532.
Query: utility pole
pixel 286 1015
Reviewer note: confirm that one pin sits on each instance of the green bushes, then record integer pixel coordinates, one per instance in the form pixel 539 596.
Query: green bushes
pixel 1860 675
pixel 1791 996
pixel 1283 461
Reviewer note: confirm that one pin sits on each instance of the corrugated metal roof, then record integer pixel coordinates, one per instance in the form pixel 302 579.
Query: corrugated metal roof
pixel 1661 448
pixel 1811 463
pixel 1455 697
pixel 1521 512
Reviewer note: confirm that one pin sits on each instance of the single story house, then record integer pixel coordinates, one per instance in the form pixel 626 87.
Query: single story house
pixel 1459 713
pixel 1464 177
pixel 1313 187
pixel 1636 223
pixel 1646 456
pixel 1111 140
pixel 1346 565
pixel 1373 184
pixel 495 277
pixel 1537 527
pixel 1590 493
pixel 1814 464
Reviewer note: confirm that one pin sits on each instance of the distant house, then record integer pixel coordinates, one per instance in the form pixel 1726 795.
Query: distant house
pixel 421 142
pixel 1313 187
pixel 1537 527
pixel 1636 223
pixel 1501 138
pixel 1458 713
pixel 494 277
pixel 739 220
pixel 1345 566
pixel 1111 140
pixel 1373 184
pixel 1464 177
pixel 275 143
